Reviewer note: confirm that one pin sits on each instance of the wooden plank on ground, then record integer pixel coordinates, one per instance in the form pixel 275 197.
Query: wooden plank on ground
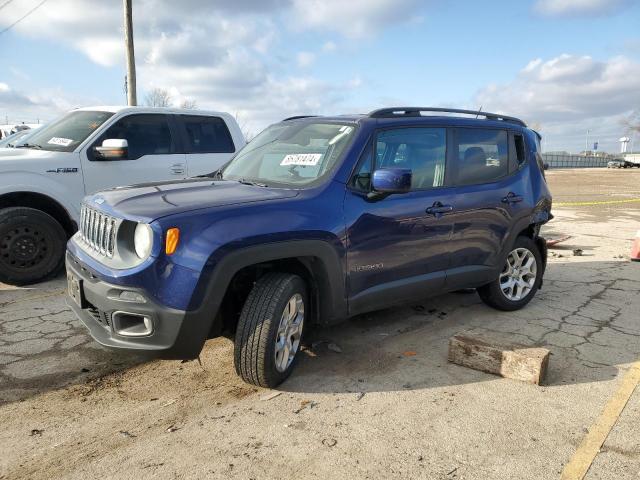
pixel 492 355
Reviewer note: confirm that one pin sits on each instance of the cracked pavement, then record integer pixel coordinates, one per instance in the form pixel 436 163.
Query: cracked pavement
pixel 43 345
pixel 388 405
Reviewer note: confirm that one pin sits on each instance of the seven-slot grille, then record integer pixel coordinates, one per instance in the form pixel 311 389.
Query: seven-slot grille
pixel 98 230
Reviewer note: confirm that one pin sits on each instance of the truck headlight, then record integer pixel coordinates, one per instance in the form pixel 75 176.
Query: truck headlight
pixel 143 240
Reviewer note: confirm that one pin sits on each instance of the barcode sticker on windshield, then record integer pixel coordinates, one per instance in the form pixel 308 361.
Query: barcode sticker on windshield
pixel 306 159
pixel 63 142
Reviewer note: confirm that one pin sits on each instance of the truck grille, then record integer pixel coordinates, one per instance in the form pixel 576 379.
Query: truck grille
pixel 98 230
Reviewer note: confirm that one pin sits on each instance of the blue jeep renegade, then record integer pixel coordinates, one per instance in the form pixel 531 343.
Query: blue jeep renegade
pixel 315 220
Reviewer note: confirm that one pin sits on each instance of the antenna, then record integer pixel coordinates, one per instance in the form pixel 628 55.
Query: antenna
pixel 479 110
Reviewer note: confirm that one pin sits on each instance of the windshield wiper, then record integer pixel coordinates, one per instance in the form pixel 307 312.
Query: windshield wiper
pixel 215 174
pixel 29 145
pixel 248 182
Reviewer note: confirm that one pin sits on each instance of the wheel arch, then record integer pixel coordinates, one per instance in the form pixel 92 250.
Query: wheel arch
pixel 42 202
pixel 316 261
pixel 530 230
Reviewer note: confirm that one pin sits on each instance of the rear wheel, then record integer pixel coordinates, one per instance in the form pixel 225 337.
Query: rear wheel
pixel 270 329
pixel 519 280
pixel 32 245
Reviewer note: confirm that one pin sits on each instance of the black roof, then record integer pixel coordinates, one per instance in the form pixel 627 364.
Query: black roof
pixel 391 113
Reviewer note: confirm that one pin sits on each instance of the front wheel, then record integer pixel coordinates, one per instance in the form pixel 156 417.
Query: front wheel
pixel 519 280
pixel 32 245
pixel 270 329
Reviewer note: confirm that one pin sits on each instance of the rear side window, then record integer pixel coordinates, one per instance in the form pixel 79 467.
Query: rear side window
pixel 483 155
pixel 146 134
pixel 519 143
pixel 422 150
pixel 207 135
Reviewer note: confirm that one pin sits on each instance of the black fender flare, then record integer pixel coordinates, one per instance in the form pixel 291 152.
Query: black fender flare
pixel 225 262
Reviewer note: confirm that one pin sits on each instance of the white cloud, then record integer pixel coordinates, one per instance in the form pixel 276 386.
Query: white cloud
pixel 569 94
pixel 305 59
pixel 224 54
pixel 353 18
pixel 18 106
pixel 579 7
pixel 329 46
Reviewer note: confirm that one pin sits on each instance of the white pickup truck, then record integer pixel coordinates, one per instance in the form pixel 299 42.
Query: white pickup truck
pixel 43 179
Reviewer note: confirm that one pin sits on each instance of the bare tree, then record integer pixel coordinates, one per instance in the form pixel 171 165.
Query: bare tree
pixel 246 131
pixel 189 104
pixel 158 97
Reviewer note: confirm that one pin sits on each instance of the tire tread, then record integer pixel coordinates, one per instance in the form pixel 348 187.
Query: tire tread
pixel 255 325
pixel 10 213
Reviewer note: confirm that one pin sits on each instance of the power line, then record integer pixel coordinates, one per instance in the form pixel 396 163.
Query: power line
pixel 5 4
pixel 22 17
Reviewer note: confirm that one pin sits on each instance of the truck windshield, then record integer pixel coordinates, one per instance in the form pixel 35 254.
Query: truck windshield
pixel 291 154
pixel 65 134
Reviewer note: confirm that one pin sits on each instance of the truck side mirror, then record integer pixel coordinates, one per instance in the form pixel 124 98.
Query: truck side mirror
pixel 112 149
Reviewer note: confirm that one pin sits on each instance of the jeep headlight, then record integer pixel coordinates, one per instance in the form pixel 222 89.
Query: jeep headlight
pixel 143 240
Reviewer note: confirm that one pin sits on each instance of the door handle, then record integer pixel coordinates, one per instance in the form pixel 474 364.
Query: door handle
pixel 438 209
pixel 512 198
pixel 177 168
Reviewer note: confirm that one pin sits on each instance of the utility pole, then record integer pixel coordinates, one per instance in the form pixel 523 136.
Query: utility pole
pixel 131 61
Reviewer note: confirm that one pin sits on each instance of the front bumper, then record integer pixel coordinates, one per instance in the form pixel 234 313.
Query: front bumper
pixel 174 333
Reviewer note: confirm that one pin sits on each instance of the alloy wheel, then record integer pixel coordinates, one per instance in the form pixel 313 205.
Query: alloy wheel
pixel 289 332
pixel 519 274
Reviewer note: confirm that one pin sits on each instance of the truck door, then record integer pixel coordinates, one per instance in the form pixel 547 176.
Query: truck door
pixel 208 143
pixel 152 154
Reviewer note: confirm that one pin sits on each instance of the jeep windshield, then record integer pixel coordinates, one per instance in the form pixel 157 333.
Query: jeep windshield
pixel 291 154
pixel 65 134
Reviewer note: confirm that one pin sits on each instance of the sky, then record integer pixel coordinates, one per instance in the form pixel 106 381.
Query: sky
pixel 569 68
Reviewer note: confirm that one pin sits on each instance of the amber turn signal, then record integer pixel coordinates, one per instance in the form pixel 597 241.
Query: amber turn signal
pixel 172 239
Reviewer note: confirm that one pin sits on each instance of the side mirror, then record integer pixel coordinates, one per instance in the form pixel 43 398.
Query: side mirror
pixel 112 149
pixel 386 181
pixel 545 166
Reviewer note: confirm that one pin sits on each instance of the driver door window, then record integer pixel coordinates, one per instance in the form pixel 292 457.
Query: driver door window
pixel 151 154
pixel 145 134
pixel 422 150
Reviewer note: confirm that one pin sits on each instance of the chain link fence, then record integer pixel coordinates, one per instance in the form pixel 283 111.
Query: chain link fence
pixel 573 161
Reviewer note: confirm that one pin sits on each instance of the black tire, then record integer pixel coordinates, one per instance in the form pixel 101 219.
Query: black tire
pixel 255 340
pixel 492 293
pixel 32 246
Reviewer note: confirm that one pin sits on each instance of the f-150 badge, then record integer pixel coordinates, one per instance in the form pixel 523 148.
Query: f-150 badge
pixel 63 170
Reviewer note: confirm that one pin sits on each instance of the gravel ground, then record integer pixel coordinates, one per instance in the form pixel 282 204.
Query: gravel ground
pixel 387 405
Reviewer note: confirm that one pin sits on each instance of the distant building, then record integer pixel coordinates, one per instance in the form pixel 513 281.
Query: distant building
pixel 599 154
pixel 633 157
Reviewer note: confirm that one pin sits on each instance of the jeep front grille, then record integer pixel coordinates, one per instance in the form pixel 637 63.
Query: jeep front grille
pixel 98 230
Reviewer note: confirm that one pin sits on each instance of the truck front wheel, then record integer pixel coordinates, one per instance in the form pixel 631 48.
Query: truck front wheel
pixel 270 329
pixel 32 245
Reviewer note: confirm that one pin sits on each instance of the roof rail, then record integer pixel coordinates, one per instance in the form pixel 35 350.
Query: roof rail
pixel 296 117
pixel 415 112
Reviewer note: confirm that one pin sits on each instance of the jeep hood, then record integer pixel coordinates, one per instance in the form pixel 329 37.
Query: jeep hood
pixel 150 201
